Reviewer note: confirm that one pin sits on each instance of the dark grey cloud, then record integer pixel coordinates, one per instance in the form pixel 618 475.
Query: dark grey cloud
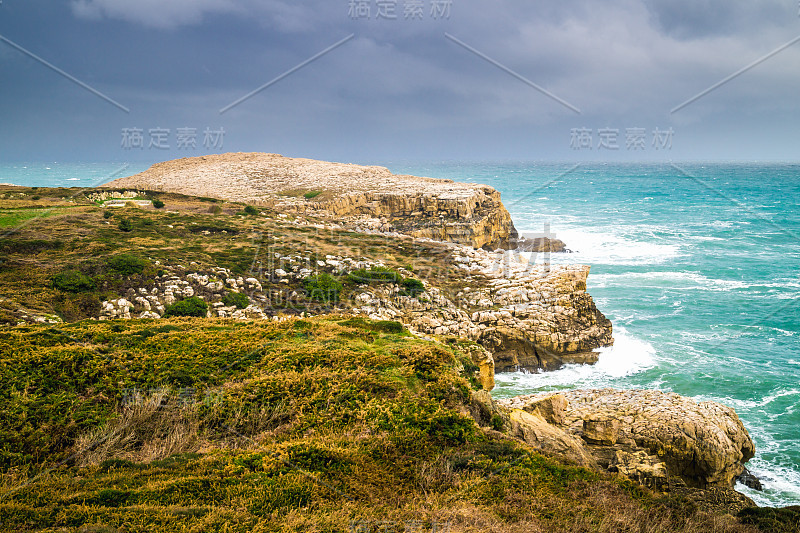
pixel 694 19
pixel 398 88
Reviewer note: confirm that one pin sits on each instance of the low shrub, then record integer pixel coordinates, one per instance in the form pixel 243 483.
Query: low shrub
pixel 238 299
pixel 26 246
pixel 125 225
pixel 311 194
pixel 127 264
pixel 412 287
pixel 250 210
pixel 323 288
pixel 107 214
pixel 377 274
pixel 193 306
pixel 775 520
pixel 388 326
pixel 158 204
pixel 73 281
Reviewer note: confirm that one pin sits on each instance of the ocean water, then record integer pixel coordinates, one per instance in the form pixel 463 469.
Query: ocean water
pixel 698 267
pixel 55 174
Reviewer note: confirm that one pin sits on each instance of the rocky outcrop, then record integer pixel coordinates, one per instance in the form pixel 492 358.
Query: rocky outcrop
pixel 540 244
pixel 539 322
pixel 549 439
pixel 438 209
pixel 528 316
pixel 649 436
pixel 531 317
pixel 537 317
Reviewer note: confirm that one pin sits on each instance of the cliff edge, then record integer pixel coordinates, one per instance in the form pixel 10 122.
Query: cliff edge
pixel 438 209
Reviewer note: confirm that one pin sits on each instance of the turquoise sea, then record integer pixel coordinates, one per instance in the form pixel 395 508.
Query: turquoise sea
pixel 697 265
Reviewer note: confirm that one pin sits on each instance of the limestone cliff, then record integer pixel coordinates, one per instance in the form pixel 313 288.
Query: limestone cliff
pixel 528 316
pixel 438 209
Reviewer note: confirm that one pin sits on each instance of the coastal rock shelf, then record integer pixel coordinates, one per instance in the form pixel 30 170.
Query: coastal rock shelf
pixel 442 210
pixel 650 436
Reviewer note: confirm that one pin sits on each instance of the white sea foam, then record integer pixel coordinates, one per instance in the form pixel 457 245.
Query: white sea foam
pixel 781 484
pixel 73 179
pixel 684 281
pixel 628 356
pixel 740 404
pixel 595 247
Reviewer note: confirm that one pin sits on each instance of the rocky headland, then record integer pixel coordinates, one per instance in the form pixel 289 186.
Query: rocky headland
pixel 438 209
pixel 524 315
pixel 528 316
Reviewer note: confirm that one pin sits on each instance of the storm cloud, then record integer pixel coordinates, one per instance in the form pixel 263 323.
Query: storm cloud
pixel 461 79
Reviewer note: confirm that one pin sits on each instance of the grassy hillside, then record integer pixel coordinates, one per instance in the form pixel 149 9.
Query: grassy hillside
pixel 310 424
pixel 304 425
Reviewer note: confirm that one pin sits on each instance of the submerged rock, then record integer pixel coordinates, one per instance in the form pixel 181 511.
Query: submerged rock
pixel 749 480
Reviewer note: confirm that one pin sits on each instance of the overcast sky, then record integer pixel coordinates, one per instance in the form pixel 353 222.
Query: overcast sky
pixel 439 81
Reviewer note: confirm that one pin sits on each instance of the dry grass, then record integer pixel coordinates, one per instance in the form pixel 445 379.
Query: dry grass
pixel 151 427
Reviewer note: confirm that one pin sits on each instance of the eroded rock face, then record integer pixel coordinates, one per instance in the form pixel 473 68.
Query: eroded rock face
pixel 438 209
pixel 651 435
pixel 537 319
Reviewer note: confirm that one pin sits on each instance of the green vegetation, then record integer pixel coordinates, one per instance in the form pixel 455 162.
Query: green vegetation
pixel 250 210
pixel 125 225
pixel 127 264
pixel 10 218
pixel 107 214
pixel 323 288
pixel 240 300
pixel 29 246
pixel 193 306
pixel 311 194
pixel 412 287
pixel 158 204
pixel 773 520
pixel 377 274
pixel 73 281
pixel 306 425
